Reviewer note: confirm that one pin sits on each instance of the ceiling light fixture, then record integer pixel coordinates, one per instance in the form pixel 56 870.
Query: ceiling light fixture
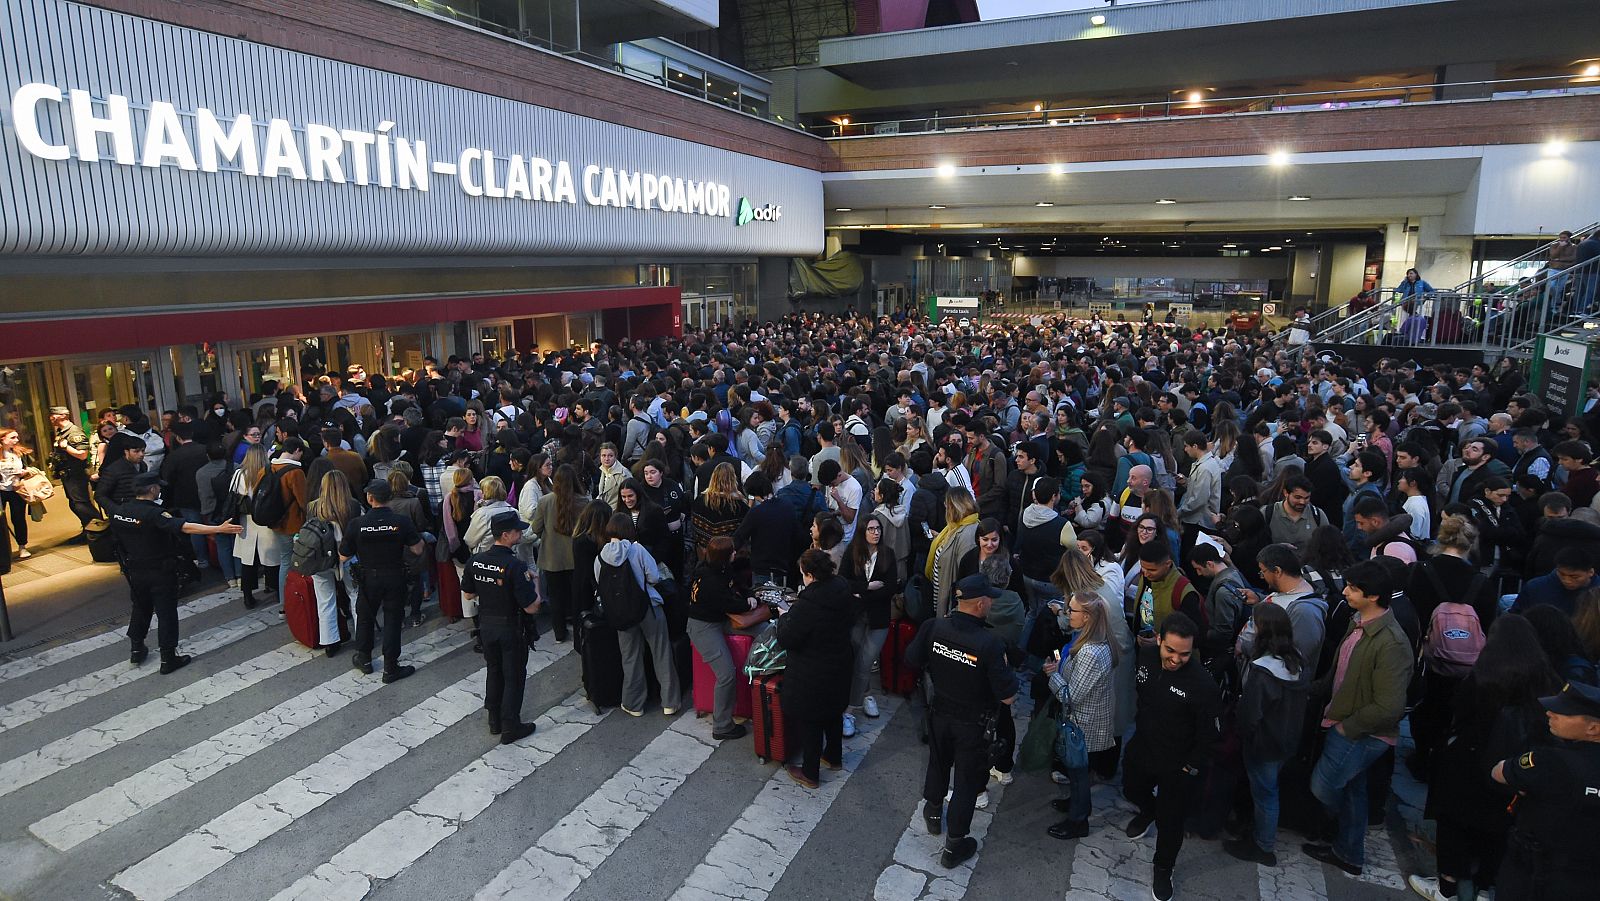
pixel 1097 20
pixel 1057 169
pixel 1298 197
pixel 1166 200
pixel 1592 70
pixel 936 206
pixel 1278 158
pixel 1555 147
pixel 1230 246
pixel 946 170
pixel 1044 203
pixel 843 209
pixel 1196 96
pixel 1038 107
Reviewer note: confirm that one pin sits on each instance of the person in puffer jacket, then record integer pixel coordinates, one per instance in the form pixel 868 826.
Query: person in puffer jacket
pixel 1271 711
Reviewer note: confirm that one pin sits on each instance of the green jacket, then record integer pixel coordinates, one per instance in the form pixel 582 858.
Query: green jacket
pixel 1372 697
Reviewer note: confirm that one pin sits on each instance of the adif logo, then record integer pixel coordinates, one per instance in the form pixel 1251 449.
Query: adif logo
pixel 747 213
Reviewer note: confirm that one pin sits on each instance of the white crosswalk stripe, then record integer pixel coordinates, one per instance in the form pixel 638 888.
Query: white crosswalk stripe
pixel 559 861
pixel 916 873
pixel 750 858
pixel 207 849
pixel 33 663
pixel 154 784
pixel 69 750
pixel 401 840
pixel 60 697
pixel 1107 864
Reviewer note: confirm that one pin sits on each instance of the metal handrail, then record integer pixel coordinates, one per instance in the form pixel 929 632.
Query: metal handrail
pixel 1182 108
pixel 1543 250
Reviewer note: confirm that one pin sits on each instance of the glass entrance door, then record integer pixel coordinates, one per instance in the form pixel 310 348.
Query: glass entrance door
pixel 259 363
pixel 108 384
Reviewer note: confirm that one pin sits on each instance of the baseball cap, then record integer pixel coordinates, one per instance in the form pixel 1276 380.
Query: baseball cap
pixel 1575 699
pixel 975 586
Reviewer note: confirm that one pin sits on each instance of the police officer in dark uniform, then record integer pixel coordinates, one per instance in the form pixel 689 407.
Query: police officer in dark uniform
pixel 971 679
pixel 507 601
pixel 1557 807
pixel 379 540
pixel 149 535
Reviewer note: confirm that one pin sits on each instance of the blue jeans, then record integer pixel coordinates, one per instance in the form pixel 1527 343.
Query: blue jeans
pixel 1078 784
pixel 1340 783
pixel 1264 792
pixel 198 542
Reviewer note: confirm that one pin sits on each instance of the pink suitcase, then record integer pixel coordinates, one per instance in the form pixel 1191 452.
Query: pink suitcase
pixel 705 681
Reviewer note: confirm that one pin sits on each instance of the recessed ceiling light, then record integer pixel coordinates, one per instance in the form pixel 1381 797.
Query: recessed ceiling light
pixel 946 170
pixel 1278 158
pixel 1230 245
pixel 1298 197
pixel 1044 203
pixel 1555 147
pixel 1097 20
pixel 1038 107
pixel 843 209
pixel 1196 96
pixel 1166 200
pixel 1273 248
pixel 1057 169
pixel 1591 70
pixel 935 206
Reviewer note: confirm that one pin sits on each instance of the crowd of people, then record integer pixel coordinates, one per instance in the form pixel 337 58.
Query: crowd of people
pixel 1232 575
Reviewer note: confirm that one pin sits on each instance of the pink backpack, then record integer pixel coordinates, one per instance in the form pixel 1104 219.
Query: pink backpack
pixel 1455 636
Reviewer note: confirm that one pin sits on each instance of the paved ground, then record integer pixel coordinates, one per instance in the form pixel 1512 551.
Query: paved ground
pixel 264 770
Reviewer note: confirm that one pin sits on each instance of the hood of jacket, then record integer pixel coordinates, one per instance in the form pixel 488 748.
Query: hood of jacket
pixel 1569 529
pixel 1037 515
pixel 832 593
pixel 1396 526
pixel 616 551
pixel 1277 668
pixel 933 483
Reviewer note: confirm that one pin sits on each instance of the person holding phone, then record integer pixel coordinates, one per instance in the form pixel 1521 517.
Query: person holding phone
pixel 1081 682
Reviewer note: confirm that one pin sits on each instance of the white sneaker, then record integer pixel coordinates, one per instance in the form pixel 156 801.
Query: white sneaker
pixel 1002 778
pixel 1427 887
pixel 24 554
pixel 982 802
pixel 869 705
pixel 1058 777
pixel 849 726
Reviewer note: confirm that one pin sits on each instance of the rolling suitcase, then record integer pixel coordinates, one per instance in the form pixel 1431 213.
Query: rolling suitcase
pixel 102 544
pixel 300 609
pixel 766 705
pixel 449 589
pixel 898 677
pixel 602 662
pixel 705 681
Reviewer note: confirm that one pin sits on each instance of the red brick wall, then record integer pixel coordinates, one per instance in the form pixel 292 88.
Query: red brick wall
pixel 380 36
pixel 1573 118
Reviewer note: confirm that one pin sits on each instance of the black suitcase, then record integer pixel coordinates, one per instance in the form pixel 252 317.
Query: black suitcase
pixel 602 662
pixel 102 544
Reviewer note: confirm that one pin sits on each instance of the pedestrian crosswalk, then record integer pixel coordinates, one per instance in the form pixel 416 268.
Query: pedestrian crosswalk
pixel 267 771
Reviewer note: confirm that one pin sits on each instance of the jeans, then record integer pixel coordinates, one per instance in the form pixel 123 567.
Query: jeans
pixel 1078 783
pixel 1264 792
pixel 711 643
pixel 328 600
pixel 869 645
pixel 1340 783
pixel 197 543
pixel 651 631
pixel 225 558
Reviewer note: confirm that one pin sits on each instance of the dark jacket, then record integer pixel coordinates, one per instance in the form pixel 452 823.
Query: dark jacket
pixel 874 602
pixel 987 466
pixel 768 532
pixel 1328 489
pixel 926 509
pixel 1547 589
pixel 714 593
pixel 1461 790
pixel 816 634
pixel 1176 724
pixel 116 483
pixel 1456 575
pixel 178 470
pixel 1271 711
pixel 1554 534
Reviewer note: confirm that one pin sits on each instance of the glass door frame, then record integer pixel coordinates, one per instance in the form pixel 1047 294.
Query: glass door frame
pixel 162 376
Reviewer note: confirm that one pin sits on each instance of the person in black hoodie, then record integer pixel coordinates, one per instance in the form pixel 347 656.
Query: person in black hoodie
pixel 713 594
pixel 1271 709
pixel 1173 738
pixel 816 682
pixel 925 516
pixel 1576 529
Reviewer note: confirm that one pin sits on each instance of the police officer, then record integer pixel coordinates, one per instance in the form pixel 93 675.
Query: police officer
pixel 148 535
pixel 971 678
pixel 69 459
pixel 1557 808
pixel 379 540
pixel 503 585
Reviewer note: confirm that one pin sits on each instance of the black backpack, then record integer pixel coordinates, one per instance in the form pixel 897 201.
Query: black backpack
pixel 624 601
pixel 268 506
pixel 225 504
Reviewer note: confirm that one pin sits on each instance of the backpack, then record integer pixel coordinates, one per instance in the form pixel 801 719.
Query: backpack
pixel 268 506
pixel 1164 479
pixel 624 601
pixel 225 505
pixel 1455 636
pixel 651 430
pixel 315 548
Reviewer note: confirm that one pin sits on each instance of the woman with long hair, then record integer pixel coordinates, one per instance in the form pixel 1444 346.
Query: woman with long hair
pixel 1103 560
pixel 589 536
pixel 1226 436
pixel 873 571
pixel 256 547
pixel 911 439
pixel 335 505
pixel 1082 684
pixel 815 633
pixel 720 509
pixel 554 520
pixel 648 521
pixel 1146 529
pixel 622 551
pixel 462 498
pixel 714 594
pixel 827 535
pixel 989 556
pixel 1158 502
pixel 435 462
pixel 1102 458
pixel 951 545
pixel 1271 710
pixel 667 494
pixel 13 466
pixel 775 466
pixel 1092 507
pixel 1495 714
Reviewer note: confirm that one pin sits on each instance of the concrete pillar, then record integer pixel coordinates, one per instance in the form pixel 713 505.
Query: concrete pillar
pixel 1455 73
pixel 1345 267
pixel 1399 253
pixel 1303 276
pixel 772 288
pixel 1443 260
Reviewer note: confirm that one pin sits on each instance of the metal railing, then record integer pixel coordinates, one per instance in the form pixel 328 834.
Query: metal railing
pixel 1183 108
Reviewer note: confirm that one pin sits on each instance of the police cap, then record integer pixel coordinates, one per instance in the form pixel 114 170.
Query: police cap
pixel 973 587
pixel 1575 699
pixel 379 490
pixel 147 480
pixel 507 522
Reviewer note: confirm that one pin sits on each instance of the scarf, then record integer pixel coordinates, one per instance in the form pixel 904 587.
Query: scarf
pixel 944 536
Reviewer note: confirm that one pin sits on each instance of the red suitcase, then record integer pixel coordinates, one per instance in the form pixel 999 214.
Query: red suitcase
pixel 705 681
pixel 767 722
pixel 898 676
pixel 300 609
pixel 449 589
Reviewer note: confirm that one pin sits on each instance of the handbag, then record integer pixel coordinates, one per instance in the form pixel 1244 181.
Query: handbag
pixel 1072 751
pixel 35 486
pixel 1038 745
pixel 766 655
pixel 740 622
